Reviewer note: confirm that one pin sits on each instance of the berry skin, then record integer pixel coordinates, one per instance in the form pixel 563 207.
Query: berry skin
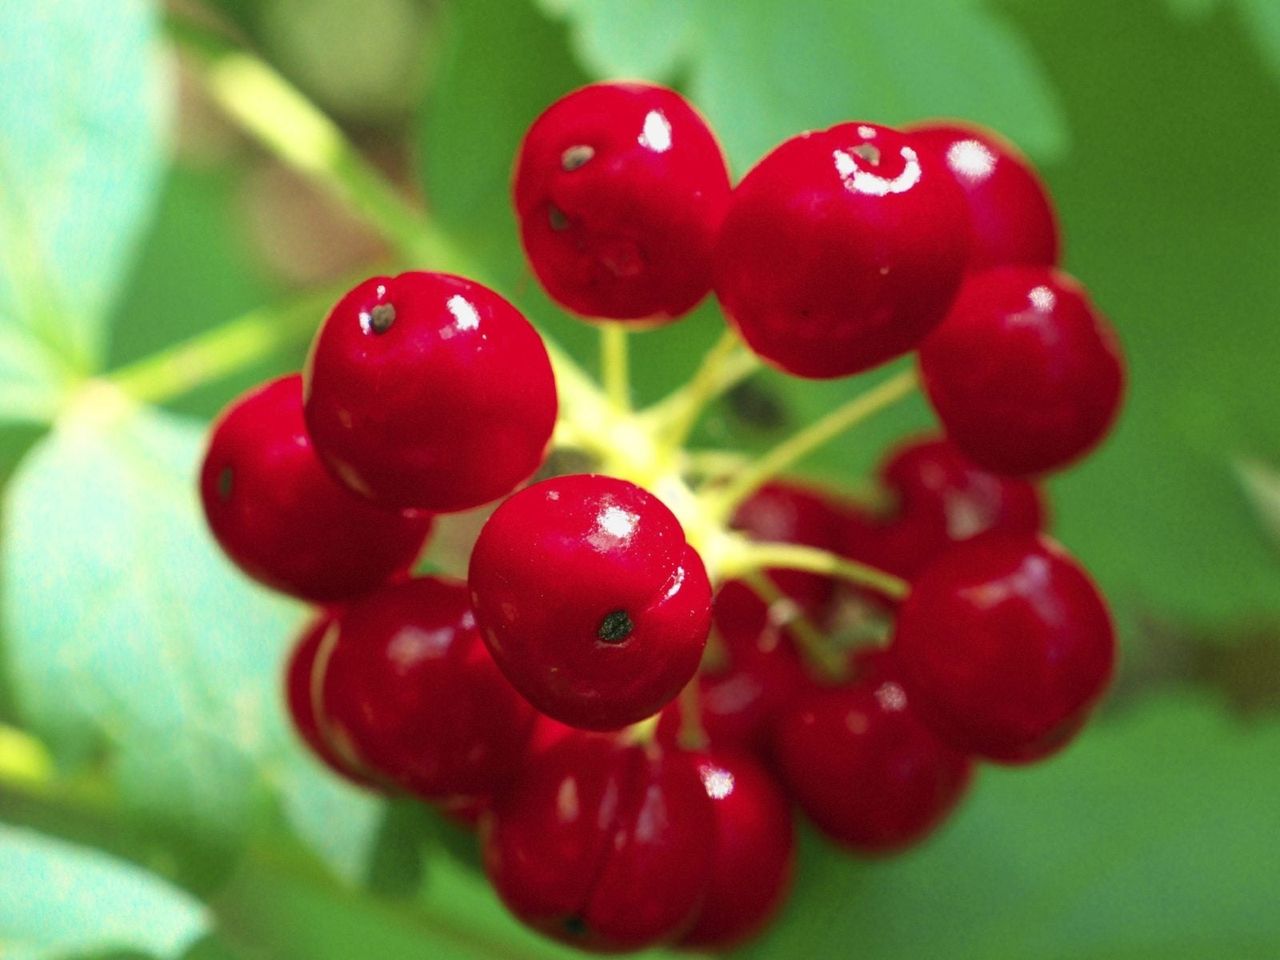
pixel 754 850
pixel 864 767
pixel 738 699
pixel 944 498
pixel 841 250
pixel 620 189
pixel 604 846
pixel 1024 373
pixel 300 699
pixel 411 691
pixel 283 519
pixel 1005 645
pixel 786 513
pixel 430 391
pixel 590 599
pixel 1010 214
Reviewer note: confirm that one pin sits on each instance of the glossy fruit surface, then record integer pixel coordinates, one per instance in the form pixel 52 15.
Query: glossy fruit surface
pixel 300 698
pixel 752 859
pixel 942 497
pixel 283 519
pixel 590 599
pixel 783 512
pixel 1024 373
pixel 620 189
pixel 430 391
pixel 410 689
pixel 1010 214
pixel 841 250
pixel 864 767
pixel 602 845
pixel 1006 646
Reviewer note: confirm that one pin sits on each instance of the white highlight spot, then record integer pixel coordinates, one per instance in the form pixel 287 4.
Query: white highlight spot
pixel 656 135
pixel 971 160
pixel 617 522
pixel 1042 298
pixel 891 697
pixel 858 180
pixel 718 782
pixel 464 314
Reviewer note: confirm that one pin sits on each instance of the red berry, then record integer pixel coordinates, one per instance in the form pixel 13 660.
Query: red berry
pixel 1010 213
pixel 841 250
pixel 752 859
pixel 283 519
pixel 739 698
pixel 590 599
pixel 943 498
pixel 410 690
pixel 604 846
pixel 300 697
pixel 786 513
pixel 620 189
pixel 1024 373
pixel 428 390
pixel 864 767
pixel 1006 646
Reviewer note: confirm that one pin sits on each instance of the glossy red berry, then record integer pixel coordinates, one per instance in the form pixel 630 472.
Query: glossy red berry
pixel 620 189
pixel 943 497
pixel 590 599
pixel 1010 214
pixel 1025 374
pixel 1006 646
pixel 757 674
pixel 841 250
pixel 604 846
pixel 431 391
pixel 752 859
pixel 864 767
pixel 300 698
pixel 283 519
pixel 787 513
pixel 410 690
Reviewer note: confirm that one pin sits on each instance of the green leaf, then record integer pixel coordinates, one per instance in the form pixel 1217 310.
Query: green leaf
pixel 1153 837
pixel 1262 18
pixel 82 97
pixel 1158 513
pixel 128 632
pixel 125 626
pixel 764 71
pixel 58 899
pixel 1262 484
pixel 628 38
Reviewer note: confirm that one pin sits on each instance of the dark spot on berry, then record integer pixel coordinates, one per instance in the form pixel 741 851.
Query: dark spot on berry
pixel 616 627
pixel 556 217
pixel 868 152
pixel 226 483
pixel 381 318
pixel 575 926
pixel 757 406
pixel 575 157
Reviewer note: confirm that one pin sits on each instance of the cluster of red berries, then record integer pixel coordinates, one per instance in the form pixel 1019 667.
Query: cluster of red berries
pixel 543 696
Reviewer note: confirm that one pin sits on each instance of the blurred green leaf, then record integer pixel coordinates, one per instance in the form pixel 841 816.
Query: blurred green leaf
pixel 764 71
pixel 82 99
pixel 1181 256
pixel 1115 850
pixel 1262 19
pixel 58 899
pixel 1262 484
pixel 128 632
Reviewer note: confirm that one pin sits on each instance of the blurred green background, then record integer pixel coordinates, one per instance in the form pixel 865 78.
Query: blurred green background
pixel 152 802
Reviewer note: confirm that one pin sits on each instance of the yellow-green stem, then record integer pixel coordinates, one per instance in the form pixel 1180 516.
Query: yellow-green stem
pixel 807 637
pixel 234 345
pixel 810 438
pixel 725 364
pixel 749 557
pixel 693 736
pixel 615 371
